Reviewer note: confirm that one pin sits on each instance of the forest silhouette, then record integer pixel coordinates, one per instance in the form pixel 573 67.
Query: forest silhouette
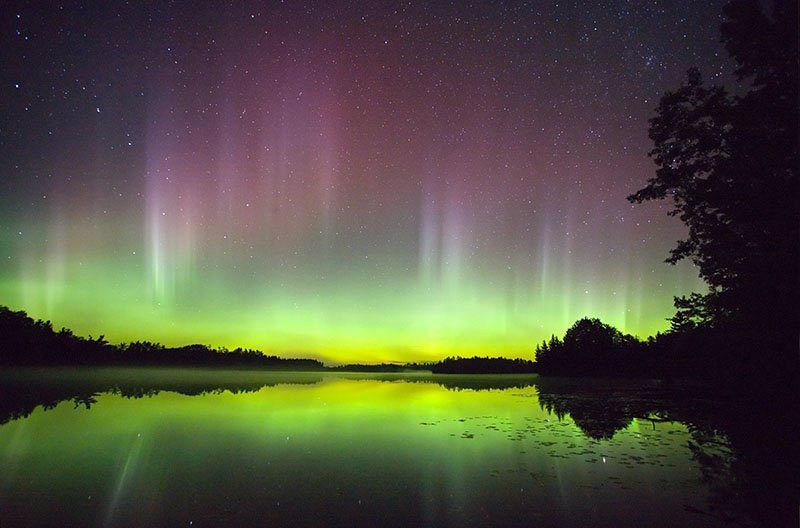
pixel 28 342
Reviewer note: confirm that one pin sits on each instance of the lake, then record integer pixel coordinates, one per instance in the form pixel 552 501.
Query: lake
pixel 172 447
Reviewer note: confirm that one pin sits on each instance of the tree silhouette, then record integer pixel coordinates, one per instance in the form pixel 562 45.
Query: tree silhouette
pixel 729 164
pixel 482 365
pixel 593 347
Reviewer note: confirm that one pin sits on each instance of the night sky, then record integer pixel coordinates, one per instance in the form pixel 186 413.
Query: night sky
pixel 349 181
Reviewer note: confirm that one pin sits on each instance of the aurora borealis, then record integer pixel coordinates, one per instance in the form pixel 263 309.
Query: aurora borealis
pixel 354 182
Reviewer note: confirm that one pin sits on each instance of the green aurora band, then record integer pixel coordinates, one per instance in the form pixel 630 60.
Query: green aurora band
pixel 381 309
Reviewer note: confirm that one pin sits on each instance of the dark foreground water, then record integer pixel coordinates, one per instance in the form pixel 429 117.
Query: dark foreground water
pixel 169 447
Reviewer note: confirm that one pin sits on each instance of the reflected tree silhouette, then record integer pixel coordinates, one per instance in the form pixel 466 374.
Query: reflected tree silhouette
pixel 23 390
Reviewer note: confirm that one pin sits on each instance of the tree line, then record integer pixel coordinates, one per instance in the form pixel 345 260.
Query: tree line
pixel 29 342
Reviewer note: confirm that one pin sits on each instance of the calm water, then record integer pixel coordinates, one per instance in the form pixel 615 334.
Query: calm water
pixel 145 447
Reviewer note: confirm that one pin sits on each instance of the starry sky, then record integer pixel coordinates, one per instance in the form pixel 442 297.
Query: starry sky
pixel 349 181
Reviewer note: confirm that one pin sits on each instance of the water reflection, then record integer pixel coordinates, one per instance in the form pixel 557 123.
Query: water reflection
pixel 419 448
pixel 23 390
